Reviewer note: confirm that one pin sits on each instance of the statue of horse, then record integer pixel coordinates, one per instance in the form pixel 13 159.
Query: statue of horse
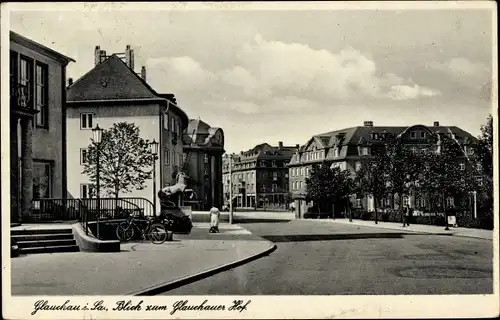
pixel 166 193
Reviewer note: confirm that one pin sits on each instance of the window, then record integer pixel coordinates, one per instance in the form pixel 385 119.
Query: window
pixel 336 152
pixel 273 163
pixel 83 156
pixel 413 150
pixel 274 187
pixel 85 190
pixel 358 203
pixel 413 135
pixel 406 201
pixel 165 121
pixel 470 151
pixel 42 181
pixel 357 165
pixel 421 202
pixel 450 202
pixel 179 128
pixel 422 134
pixel 173 158
pixel 41 74
pixel 26 81
pixel 173 125
pixel 167 157
pixel 300 184
pixel 206 158
pixel 302 172
pixel 275 176
pixel 364 151
pixel 462 166
pixel 86 120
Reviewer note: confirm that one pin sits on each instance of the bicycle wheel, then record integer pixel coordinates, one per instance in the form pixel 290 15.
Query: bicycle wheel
pixel 157 233
pixel 124 231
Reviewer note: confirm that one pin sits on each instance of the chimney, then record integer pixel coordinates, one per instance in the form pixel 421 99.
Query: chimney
pixel 143 73
pixel 97 55
pixel 280 144
pixel 297 146
pixel 368 123
pixel 70 81
pixel 102 56
pixel 129 57
pixel 436 123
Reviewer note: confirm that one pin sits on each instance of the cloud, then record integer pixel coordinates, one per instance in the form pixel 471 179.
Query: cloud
pixel 278 76
pixel 406 92
pixel 463 71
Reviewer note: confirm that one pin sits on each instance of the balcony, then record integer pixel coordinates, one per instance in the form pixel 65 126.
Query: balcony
pixel 21 100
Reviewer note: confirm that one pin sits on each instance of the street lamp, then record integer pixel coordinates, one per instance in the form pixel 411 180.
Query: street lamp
pixel 153 148
pixel 230 189
pixel 97 135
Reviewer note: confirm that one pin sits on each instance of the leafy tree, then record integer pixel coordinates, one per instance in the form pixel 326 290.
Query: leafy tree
pixel 124 158
pixel 371 179
pixel 328 185
pixel 444 175
pixel 484 166
pixel 401 169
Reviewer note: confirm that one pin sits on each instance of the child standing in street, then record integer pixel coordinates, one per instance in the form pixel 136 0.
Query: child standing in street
pixel 214 220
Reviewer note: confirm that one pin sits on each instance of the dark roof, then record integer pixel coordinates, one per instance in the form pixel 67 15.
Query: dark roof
pixel 16 37
pixel 112 79
pixel 355 134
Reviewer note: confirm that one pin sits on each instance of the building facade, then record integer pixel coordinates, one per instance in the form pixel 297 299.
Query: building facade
pixel 259 176
pixel 113 92
pixel 349 148
pixel 203 148
pixel 37 124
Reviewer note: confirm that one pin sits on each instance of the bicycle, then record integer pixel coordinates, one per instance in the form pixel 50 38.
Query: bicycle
pixel 156 232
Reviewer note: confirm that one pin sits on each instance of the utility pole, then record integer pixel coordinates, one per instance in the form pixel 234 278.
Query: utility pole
pixel 230 189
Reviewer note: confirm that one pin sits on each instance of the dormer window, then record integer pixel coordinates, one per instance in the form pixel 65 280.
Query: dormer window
pixel 413 135
pixel 422 134
pixel 470 151
pixel 364 151
pixel 374 136
pixel 336 152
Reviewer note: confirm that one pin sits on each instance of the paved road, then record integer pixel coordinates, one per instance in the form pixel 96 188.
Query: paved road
pixel 337 259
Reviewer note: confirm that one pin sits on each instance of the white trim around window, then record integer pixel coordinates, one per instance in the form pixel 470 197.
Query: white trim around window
pixel 87 120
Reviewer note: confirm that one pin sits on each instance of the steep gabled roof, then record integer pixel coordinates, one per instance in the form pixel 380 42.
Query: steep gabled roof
pixel 110 80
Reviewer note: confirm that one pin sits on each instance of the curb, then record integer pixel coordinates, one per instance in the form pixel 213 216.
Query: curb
pixel 154 290
pixel 414 231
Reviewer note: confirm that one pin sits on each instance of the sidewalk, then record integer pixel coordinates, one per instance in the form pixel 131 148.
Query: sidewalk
pixel 140 268
pixel 460 232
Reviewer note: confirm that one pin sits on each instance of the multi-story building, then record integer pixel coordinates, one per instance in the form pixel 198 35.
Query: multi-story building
pixel 259 176
pixel 204 146
pixel 37 124
pixel 349 148
pixel 113 92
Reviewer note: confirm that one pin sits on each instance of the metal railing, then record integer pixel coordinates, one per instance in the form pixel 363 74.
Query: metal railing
pixel 87 210
pixel 52 209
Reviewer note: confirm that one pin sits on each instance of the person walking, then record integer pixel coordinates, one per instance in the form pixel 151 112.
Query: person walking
pixel 406 211
pixel 214 220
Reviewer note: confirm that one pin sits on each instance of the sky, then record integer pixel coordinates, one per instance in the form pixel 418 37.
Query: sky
pixel 285 75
